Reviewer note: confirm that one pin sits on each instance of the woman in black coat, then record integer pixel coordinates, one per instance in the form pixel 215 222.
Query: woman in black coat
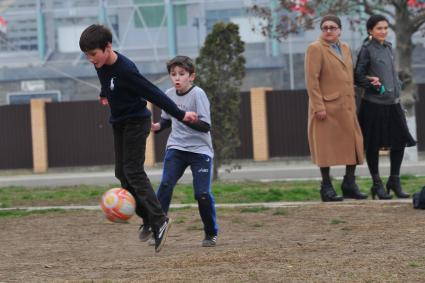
pixel 381 116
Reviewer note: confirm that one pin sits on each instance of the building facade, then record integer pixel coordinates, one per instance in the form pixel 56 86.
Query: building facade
pixel 40 56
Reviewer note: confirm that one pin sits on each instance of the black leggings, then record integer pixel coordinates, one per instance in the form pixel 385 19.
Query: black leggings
pixel 396 157
pixel 325 172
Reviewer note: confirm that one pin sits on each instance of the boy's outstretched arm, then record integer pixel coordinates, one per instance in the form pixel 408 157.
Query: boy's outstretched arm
pixel 199 126
pixel 153 94
pixel 163 124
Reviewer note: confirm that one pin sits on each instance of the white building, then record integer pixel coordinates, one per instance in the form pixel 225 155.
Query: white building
pixel 39 51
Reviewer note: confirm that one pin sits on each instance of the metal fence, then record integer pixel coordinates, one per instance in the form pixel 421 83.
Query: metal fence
pixel 79 134
pixel 420 118
pixel 287 123
pixel 15 137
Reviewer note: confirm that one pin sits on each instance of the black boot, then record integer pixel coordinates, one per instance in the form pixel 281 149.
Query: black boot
pixel 327 193
pixel 394 185
pixel 378 190
pixel 350 189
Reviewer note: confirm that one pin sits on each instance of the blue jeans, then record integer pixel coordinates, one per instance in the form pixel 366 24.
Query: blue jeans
pixel 175 163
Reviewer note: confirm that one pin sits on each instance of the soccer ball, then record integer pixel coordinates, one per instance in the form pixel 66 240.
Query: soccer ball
pixel 118 205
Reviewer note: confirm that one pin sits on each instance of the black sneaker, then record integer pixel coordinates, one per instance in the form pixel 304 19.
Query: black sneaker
pixel 161 234
pixel 145 232
pixel 209 241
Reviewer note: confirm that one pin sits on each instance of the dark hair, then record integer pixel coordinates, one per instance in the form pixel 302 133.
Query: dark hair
pixel 374 20
pixel 332 18
pixel 182 62
pixel 95 36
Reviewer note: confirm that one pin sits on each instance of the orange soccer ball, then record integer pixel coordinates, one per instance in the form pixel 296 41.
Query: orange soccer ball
pixel 118 205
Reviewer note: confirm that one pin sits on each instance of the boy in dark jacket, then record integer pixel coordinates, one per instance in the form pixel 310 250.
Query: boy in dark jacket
pixel 126 92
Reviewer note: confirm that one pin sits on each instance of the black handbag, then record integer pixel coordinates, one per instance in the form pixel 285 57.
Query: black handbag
pixel 419 199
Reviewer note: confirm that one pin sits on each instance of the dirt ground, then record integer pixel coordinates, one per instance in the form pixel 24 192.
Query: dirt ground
pixel 368 241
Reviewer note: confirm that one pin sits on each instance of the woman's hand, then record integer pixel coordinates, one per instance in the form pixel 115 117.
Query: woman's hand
pixel 374 81
pixel 321 115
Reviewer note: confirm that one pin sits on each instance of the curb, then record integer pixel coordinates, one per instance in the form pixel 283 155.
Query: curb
pixel 232 205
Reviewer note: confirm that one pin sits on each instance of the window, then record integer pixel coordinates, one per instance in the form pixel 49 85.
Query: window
pixel 153 13
pixel 214 16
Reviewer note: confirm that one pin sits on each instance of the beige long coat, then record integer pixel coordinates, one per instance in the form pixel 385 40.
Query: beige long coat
pixel 336 140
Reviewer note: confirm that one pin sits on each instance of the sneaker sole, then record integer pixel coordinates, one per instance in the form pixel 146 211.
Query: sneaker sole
pixel 144 239
pixel 164 239
pixel 208 245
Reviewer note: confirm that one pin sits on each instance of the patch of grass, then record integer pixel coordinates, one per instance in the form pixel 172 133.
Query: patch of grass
pixel 418 262
pixel 254 276
pixel 413 264
pixel 264 192
pixel 180 208
pixel 407 177
pixel 280 211
pixel 224 192
pixel 21 196
pixel 23 213
pixel 194 227
pixel 337 221
pixel 255 209
pixel 237 220
pixel 223 210
pixel 183 193
pixel 179 220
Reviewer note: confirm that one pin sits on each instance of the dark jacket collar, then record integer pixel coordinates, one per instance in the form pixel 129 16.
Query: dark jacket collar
pixel 378 44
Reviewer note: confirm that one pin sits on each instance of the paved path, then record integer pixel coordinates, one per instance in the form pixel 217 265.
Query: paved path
pixel 252 171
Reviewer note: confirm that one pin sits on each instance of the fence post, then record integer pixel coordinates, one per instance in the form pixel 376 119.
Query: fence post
pixel 150 144
pixel 39 135
pixel 260 136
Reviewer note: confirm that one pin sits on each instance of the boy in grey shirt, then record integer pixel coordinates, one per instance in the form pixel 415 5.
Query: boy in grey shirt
pixel 189 144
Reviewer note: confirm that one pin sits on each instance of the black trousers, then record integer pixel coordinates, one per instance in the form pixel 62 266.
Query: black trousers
pixel 130 148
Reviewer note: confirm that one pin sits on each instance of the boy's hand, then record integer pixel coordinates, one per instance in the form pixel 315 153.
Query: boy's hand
pixel 190 117
pixel 103 100
pixel 155 127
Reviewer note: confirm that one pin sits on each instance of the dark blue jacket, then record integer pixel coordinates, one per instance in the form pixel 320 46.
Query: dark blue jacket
pixel 127 91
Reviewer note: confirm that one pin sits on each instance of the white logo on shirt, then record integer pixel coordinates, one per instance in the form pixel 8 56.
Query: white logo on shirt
pixel 202 170
pixel 112 85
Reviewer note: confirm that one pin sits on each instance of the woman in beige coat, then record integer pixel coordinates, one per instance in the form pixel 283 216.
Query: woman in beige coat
pixel 334 134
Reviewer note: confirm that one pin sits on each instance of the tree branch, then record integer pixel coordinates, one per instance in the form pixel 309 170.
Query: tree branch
pixel 370 9
pixel 396 4
pixel 418 20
